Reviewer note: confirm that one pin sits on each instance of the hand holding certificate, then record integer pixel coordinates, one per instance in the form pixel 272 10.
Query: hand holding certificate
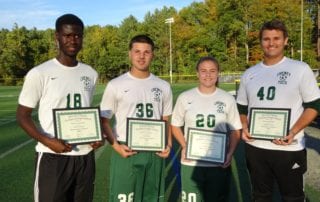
pixel 77 126
pixel 146 134
pixel 269 123
pixel 206 145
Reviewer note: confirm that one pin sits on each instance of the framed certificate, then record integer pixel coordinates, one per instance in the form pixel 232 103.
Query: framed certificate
pixel 77 126
pixel 146 134
pixel 269 123
pixel 206 145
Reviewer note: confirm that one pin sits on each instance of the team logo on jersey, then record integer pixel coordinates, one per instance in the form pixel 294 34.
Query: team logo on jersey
pixel 283 76
pixel 156 94
pixel 220 106
pixel 86 83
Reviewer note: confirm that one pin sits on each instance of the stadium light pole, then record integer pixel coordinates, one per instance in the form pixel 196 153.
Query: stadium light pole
pixel 170 21
pixel 301 34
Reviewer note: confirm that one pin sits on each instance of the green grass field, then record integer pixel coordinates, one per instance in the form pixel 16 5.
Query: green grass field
pixel 17 158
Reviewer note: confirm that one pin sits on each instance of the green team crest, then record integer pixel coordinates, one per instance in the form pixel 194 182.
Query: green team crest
pixel 282 77
pixel 220 106
pixel 87 83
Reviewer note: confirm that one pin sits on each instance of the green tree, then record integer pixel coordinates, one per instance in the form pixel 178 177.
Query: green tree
pixel 14 57
pixel 154 25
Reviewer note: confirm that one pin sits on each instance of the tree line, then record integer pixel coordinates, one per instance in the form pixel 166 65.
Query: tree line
pixel 227 30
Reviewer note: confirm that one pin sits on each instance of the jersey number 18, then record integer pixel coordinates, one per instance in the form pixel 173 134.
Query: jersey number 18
pixel 76 101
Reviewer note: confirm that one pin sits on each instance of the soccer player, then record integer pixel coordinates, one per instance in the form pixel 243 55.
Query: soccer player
pixel 206 107
pixel 136 176
pixel 63 172
pixel 278 82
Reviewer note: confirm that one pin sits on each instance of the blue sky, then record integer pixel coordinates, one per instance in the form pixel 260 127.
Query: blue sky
pixel 43 13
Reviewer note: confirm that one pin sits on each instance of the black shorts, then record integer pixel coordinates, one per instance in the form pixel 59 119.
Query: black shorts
pixel 286 168
pixel 61 178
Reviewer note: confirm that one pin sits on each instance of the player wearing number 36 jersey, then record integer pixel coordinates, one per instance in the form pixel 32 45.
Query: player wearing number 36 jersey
pixel 137 98
pixel 136 176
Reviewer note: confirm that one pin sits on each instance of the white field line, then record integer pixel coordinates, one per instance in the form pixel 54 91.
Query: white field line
pixel 5 96
pixel 13 119
pixel 97 154
pixel 15 148
pixel 6 121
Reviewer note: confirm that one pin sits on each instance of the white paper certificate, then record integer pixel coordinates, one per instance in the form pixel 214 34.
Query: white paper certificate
pixel 77 126
pixel 266 123
pixel 146 134
pixel 206 145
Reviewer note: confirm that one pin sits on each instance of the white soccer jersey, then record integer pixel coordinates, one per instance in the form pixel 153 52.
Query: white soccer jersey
pixel 287 84
pixel 217 112
pixel 52 85
pixel 127 96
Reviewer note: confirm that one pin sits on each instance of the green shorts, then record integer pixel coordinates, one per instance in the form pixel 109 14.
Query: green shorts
pixel 205 184
pixel 137 178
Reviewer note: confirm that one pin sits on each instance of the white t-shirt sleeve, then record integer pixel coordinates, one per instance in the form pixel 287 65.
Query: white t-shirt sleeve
pixel 167 105
pixel 242 94
pixel 234 117
pixel 178 114
pixel 32 89
pixel 108 102
pixel 308 86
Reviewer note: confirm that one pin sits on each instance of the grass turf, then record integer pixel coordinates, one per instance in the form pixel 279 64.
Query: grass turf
pixel 17 168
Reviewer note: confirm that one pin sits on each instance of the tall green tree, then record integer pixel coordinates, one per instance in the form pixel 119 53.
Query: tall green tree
pixel 154 25
pixel 14 57
pixel 227 30
pixel 128 28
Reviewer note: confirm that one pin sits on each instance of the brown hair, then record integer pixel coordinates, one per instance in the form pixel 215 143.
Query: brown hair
pixel 212 59
pixel 141 39
pixel 274 25
pixel 207 58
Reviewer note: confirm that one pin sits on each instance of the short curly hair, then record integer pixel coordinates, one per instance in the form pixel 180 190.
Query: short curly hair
pixel 70 19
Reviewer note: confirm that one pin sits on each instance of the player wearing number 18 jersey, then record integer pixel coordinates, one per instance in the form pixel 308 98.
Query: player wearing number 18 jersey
pixel 64 172
pixel 136 94
pixel 278 82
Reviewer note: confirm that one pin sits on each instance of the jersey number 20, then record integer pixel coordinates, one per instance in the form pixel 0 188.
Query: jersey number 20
pixel 209 121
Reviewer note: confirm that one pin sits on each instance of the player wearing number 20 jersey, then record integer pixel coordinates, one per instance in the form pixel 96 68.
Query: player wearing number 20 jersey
pixel 206 107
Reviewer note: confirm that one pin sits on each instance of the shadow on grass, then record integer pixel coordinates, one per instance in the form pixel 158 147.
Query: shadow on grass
pixel 240 183
pixel 313 143
pixel 240 188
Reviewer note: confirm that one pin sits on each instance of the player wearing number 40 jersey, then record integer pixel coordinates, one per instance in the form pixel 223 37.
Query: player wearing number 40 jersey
pixel 278 82
pixel 64 172
pixel 136 94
